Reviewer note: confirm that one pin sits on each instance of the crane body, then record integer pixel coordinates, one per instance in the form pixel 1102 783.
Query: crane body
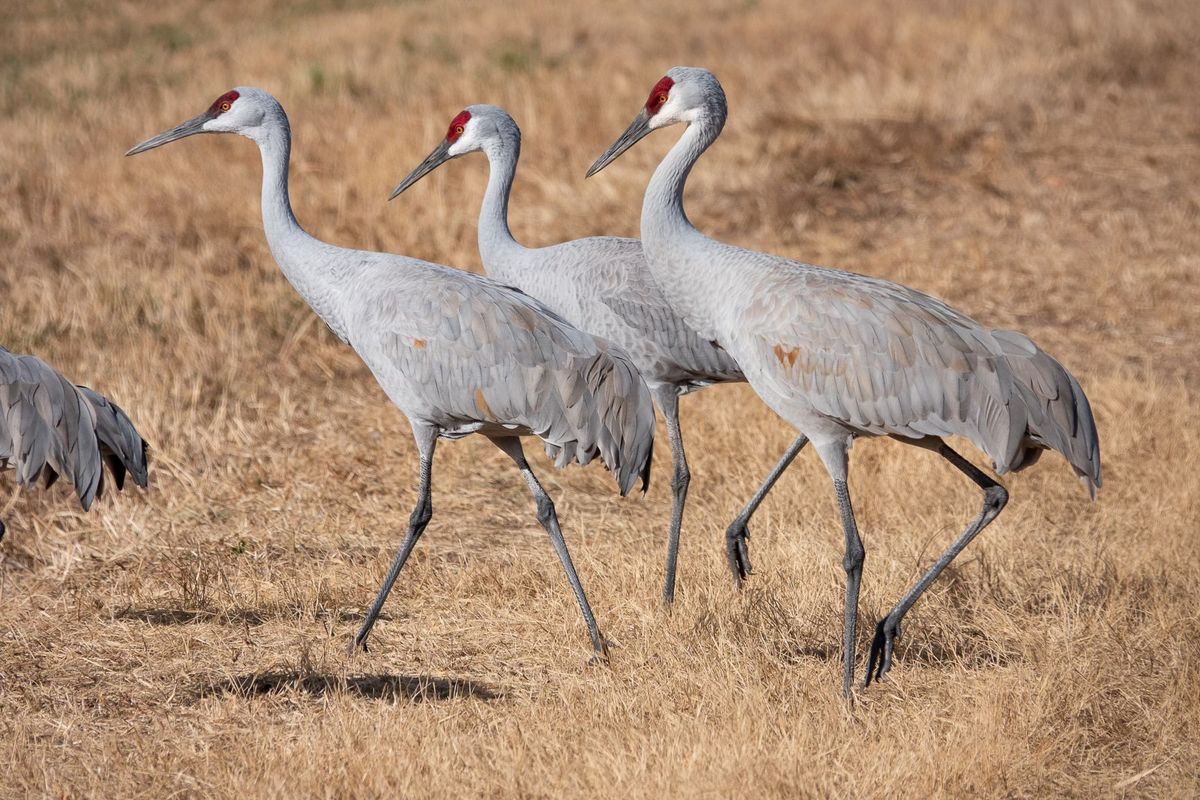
pixel 456 352
pixel 601 285
pixel 842 356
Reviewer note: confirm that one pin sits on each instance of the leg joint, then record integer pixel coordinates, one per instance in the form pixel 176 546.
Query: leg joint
pixel 854 558
pixel 681 478
pixel 545 509
pixel 995 498
pixel 421 514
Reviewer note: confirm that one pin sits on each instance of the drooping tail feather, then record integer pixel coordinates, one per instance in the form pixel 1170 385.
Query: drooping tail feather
pixel 121 446
pixel 1058 412
pixel 626 416
pixel 609 413
pixel 50 427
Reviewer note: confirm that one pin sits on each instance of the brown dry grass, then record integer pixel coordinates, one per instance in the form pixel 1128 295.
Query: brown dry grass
pixel 1036 164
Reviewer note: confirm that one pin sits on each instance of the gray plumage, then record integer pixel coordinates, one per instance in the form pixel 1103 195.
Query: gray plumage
pixel 840 355
pixel 601 285
pixel 882 359
pixel 459 352
pixel 456 352
pixel 49 427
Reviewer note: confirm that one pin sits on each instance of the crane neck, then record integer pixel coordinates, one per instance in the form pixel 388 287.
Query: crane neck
pixel 495 238
pixel 677 255
pixel 309 265
pixel 663 216
pixel 275 146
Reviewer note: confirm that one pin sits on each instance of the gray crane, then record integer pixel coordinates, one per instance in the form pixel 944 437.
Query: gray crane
pixel 840 355
pixel 455 352
pixel 49 427
pixel 601 285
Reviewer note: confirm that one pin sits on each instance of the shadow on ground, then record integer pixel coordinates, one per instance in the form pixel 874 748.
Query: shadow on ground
pixel 372 687
pixel 237 616
pixel 179 616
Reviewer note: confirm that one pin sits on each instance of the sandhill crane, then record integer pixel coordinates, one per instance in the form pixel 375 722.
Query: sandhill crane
pixel 456 352
pixel 840 355
pixel 51 427
pixel 601 285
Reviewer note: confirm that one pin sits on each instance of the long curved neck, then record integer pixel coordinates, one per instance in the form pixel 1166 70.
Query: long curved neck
pixel 662 206
pixel 677 255
pixel 279 222
pixel 495 239
pixel 308 264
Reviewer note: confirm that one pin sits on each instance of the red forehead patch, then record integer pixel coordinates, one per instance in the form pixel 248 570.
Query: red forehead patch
pixel 658 95
pixel 457 125
pixel 222 103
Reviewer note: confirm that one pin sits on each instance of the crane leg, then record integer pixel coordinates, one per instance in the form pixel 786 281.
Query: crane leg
pixel 835 455
pixel 994 498
pixel 738 532
pixel 667 398
pixel 852 562
pixel 548 517
pixel 426 440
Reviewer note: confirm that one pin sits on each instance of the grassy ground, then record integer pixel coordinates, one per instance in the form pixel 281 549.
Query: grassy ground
pixel 1034 163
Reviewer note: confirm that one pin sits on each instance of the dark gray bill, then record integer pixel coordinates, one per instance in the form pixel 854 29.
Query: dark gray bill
pixel 439 156
pixel 193 125
pixel 636 130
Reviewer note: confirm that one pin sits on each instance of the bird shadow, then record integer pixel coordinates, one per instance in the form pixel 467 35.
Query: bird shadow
pixel 179 616
pixel 421 688
pixel 236 616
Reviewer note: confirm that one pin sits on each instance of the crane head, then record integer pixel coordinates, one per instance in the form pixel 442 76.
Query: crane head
pixel 475 128
pixel 241 110
pixel 684 94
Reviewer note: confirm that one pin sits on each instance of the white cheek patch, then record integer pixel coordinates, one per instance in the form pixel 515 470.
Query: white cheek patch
pixel 667 115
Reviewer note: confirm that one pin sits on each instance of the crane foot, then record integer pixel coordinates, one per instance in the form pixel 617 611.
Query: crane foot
pixel 737 551
pixel 879 661
pixel 600 658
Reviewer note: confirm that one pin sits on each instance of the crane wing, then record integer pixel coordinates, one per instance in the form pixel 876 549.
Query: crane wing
pixel 622 282
pixel 48 427
pixel 484 356
pixel 886 359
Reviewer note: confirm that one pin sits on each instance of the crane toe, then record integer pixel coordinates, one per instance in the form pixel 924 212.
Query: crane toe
pixel 879 661
pixel 737 551
pixel 600 658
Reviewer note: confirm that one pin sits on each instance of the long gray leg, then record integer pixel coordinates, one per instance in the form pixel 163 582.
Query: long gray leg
pixel 994 498
pixel 426 440
pixel 667 397
pixel 852 562
pixel 835 455
pixel 549 520
pixel 737 534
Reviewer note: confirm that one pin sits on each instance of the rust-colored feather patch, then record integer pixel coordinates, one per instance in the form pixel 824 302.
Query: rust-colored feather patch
pixel 786 357
pixel 481 403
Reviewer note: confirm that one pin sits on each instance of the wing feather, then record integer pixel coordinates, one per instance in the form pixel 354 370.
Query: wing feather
pixel 50 427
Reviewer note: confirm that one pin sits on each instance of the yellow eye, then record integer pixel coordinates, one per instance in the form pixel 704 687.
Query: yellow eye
pixel 458 129
pixel 225 106
pixel 662 99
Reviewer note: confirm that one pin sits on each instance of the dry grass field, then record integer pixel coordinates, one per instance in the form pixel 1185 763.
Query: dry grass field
pixel 1037 164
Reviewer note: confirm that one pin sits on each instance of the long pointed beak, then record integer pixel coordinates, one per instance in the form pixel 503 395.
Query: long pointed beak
pixel 439 156
pixel 193 125
pixel 636 130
